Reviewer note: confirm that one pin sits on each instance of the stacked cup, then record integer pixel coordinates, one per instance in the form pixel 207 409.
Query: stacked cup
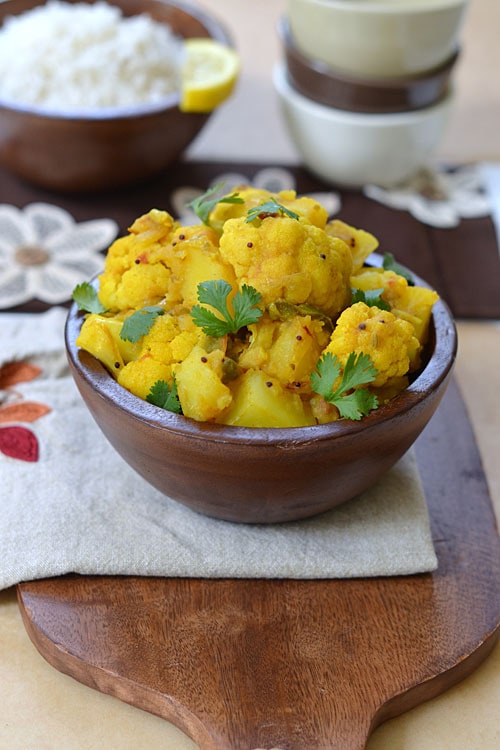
pixel 366 85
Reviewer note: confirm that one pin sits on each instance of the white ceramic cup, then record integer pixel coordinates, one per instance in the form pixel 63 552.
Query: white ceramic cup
pixel 353 149
pixel 378 38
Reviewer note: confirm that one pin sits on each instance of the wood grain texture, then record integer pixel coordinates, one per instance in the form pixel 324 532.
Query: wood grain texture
pixel 295 665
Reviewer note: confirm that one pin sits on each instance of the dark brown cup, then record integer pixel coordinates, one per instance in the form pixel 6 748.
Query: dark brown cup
pixel 334 88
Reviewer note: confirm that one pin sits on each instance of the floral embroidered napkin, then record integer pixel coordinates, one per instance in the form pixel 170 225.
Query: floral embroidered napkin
pixel 70 504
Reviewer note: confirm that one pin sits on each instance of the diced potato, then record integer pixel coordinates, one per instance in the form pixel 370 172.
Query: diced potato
pixel 417 301
pixel 128 349
pixel 360 242
pixel 202 394
pixel 96 338
pixel 261 401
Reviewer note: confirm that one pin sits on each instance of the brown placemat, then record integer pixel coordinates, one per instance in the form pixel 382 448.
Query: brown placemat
pixel 461 263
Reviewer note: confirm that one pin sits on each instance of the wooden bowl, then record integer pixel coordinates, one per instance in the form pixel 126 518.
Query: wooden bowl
pixel 258 475
pixel 72 153
pixel 336 88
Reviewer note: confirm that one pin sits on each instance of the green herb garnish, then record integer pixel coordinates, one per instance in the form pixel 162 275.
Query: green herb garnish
pixel 269 208
pixel 86 299
pixel 390 264
pixel 215 294
pixel 371 298
pixel 140 323
pixel 359 370
pixel 165 396
pixel 204 204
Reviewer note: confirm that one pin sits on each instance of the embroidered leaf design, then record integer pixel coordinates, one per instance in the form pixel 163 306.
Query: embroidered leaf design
pixel 24 411
pixel 17 372
pixel 19 442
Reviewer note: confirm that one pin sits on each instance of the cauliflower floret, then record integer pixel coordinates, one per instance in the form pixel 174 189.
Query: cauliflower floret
pixel 289 259
pixel 170 338
pixel 141 374
pixel 307 207
pixel 389 341
pixel 169 341
pixel 136 270
pixel 411 303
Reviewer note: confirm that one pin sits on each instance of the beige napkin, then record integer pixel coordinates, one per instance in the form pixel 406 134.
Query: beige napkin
pixel 79 508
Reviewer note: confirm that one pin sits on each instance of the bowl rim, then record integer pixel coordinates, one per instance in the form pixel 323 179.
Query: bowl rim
pixel 216 29
pixel 290 94
pixel 388 7
pixel 437 370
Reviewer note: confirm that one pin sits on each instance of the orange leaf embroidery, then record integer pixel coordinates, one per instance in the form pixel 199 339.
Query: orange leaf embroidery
pixel 17 372
pixel 23 411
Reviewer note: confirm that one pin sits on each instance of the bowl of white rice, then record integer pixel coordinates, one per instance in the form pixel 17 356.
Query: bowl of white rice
pixel 90 91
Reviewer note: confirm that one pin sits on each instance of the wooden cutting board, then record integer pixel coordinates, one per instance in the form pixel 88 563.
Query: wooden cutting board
pixel 295 665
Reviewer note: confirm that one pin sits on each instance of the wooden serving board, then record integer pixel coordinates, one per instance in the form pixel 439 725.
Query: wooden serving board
pixel 295 665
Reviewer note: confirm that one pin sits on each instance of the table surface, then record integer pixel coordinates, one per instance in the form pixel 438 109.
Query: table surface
pixel 43 709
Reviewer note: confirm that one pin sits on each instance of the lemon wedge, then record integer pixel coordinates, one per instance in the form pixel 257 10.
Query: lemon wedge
pixel 209 74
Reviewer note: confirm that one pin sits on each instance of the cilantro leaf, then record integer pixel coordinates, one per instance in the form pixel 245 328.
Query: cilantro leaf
pixel 204 204
pixel 140 323
pixel 244 306
pixel 215 294
pixel 390 264
pixel 357 404
pixel 371 297
pixel 165 396
pixel 324 376
pixel 269 208
pixel 86 298
pixel 358 370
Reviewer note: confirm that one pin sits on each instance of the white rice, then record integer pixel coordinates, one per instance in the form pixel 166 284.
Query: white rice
pixel 69 58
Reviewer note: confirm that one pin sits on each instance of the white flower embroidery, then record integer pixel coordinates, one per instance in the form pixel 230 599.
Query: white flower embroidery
pixel 439 199
pixel 44 253
pixel 273 179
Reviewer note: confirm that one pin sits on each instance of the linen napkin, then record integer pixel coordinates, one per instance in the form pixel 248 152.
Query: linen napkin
pixel 70 504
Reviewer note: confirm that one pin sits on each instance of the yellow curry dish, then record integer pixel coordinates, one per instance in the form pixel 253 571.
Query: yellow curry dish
pixel 264 314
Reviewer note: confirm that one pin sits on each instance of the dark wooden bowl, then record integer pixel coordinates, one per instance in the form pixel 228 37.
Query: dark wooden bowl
pixel 335 88
pixel 258 475
pixel 97 152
